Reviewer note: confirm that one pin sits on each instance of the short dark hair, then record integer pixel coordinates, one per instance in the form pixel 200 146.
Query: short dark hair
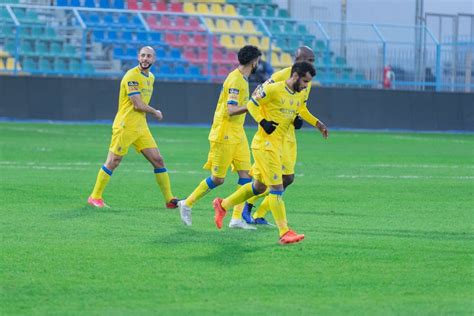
pixel 248 53
pixel 303 67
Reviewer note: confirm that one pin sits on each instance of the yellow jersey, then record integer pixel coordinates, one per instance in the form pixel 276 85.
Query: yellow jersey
pixel 276 102
pixel 283 75
pixel 225 128
pixel 133 82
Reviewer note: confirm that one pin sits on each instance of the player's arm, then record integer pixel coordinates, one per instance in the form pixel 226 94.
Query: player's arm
pixel 140 106
pixel 306 115
pixel 233 96
pixel 254 106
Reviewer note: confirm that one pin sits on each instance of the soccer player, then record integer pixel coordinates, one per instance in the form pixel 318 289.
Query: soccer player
pixel 303 53
pixel 275 108
pixel 228 142
pixel 130 128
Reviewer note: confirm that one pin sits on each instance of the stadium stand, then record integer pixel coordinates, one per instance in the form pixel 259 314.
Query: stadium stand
pixel 193 39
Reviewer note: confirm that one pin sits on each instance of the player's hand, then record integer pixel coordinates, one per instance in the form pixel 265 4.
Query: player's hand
pixel 268 126
pixel 158 115
pixel 298 122
pixel 323 129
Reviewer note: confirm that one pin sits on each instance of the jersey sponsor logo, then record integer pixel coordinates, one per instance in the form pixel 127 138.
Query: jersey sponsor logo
pixel 233 91
pixel 132 83
pixel 258 92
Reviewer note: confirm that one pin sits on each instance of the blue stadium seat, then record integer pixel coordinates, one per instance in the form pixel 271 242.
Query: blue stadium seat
pixel 93 20
pixel 45 65
pixel 29 64
pixel 89 4
pixel 62 3
pixel 156 38
pixel 111 37
pixel 161 54
pixel 176 54
pixel 123 21
pixel 76 3
pixel 119 52
pixel 118 4
pixel 136 22
pixel 104 4
pixel 99 35
pixel 132 53
pixel 142 37
pixel 126 37
pixel 165 69
pixel 60 65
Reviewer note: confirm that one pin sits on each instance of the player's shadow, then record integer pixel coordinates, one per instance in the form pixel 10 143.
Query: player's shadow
pixel 227 246
pixel 403 233
pixel 83 211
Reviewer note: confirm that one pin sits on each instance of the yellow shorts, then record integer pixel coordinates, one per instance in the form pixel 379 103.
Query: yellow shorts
pixel 122 139
pixel 267 167
pixel 222 156
pixel 288 158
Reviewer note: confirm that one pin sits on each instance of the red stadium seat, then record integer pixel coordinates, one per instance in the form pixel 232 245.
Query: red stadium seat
pixel 172 39
pixel 166 23
pixel 218 57
pixel 146 5
pixel 190 55
pixel 152 22
pixel 184 40
pixel 132 5
pixel 194 24
pixel 222 71
pixel 232 58
pixel 199 40
pixel 161 6
pixel 176 7
pixel 203 55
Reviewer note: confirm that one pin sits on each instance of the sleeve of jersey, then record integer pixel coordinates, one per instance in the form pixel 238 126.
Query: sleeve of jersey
pixel 307 116
pixel 132 85
pixel 233 92
pixel 256 102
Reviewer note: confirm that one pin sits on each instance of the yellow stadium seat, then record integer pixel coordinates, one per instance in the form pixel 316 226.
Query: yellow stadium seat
pixel 253 40
pixel 235 26
pixel 202 8
pixel 3 53
pixel 226 41
pixel 286 59
pixel 276 61
pixel 11 64
pixel 249 28
pixel 222 26
pixel 229 9
pixel 2 65
pixel 216 9
pixel 239 42
pixel 265 44
pixel 189 8
pixel 210 24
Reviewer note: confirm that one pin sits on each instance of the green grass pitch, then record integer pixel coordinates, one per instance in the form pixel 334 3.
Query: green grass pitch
pixel 388 219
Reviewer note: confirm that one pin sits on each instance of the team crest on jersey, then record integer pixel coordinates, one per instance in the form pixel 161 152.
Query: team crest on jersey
pixel 291 102
pixel 216 169
pixel 275 176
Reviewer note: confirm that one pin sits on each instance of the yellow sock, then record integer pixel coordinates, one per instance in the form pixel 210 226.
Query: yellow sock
pixel 202 189
pixel 237 213
pixel 241 195
pixel 102 179
pixel 163 180
pixel 277 207
pixel 263 209
pixel 254 199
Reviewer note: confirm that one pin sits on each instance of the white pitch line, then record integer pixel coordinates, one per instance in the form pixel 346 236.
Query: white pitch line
pixel 423 166
pixel 403 177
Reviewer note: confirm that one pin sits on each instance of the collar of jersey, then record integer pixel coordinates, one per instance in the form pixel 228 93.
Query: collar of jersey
pixel 144 74
pixel 289 91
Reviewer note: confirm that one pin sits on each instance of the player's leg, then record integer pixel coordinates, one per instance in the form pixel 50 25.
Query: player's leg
pixel 218 161
pixel 236 220
pixel 118 148
pixel 259 216
pixel 162 177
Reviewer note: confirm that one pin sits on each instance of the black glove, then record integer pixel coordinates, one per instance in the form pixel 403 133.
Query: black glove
pixel 268 126
pixel 298 122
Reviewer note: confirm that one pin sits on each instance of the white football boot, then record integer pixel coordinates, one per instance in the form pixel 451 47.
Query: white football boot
pixel 185 212
pixel 239 223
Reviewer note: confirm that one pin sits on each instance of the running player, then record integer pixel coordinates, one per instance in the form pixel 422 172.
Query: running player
pixel 130 128
pixel 275 108
pixel 289 153
pixel 228 142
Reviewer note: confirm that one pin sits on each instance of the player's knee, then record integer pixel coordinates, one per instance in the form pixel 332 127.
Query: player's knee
pixel 259 187
pixel 113 162
pixel 217 181
pixel 288 180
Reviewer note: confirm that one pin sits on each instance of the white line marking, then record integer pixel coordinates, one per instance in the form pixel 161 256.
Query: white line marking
pixel 403 177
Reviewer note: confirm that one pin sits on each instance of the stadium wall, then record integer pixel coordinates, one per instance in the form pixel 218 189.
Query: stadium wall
pixel 76 99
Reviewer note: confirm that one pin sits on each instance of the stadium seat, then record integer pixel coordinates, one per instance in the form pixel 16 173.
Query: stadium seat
pixel 75 3
pixel 2 65
pixel 126 37
pixel 226 41
pixel 45 65
pixel 176 7
pixel 184 39
pixel 59 65
pixel 249 27
pixel 283 13
pixel 156 38
pixel 161 6
pixel 229 9
pixel 216 9
pixel 105 4
pixel 195 72
pixel 199 40
pixel 222 26
pixel 74 65
pixel 253 40
pixel 189 8
pixel 210 24
pixel 239 41
pixel 11 64
pixel 119 52
pixel 194 24
pixel 222 71
pixel 165 69
pixel 172 39
pixel 257 11
pixel 269 12
pixel 203 56
pixel 165 23
pixel 62 3
pixel 235 26
pixel 142 37
pixel 218 56
pixel 191 56
pixel 161 54
pixel 89 3
pixel 132 5
pixel 98 35
pixel 180 71
pixel 202 8
pixel 41 48
pixel 118 4
pixel 175 54
pixel 286 59
pixel 152 22
pixel 232 58
pixel 29 65
pixel 55 48
pixel 243 11
pixel 146 5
